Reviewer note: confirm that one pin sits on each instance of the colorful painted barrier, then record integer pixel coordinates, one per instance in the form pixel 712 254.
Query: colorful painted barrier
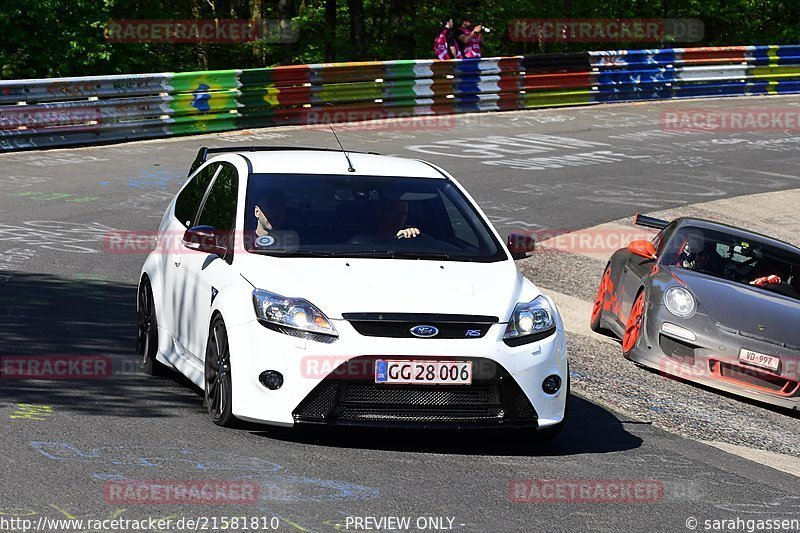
pixel 44 113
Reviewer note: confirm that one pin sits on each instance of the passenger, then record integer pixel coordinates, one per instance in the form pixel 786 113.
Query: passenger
pixel 778 281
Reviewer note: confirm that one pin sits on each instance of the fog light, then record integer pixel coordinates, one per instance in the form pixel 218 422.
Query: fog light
pixel 551 384
pixel 271 379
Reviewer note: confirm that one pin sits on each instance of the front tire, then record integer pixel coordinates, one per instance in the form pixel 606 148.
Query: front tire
pixel 218 382
pixel 147 326
pixel 600 302
pixel 633 328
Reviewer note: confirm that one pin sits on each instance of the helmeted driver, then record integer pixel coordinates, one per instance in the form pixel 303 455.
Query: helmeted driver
pixel 694 255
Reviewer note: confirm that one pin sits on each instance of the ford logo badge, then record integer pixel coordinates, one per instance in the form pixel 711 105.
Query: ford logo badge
pixel 424 331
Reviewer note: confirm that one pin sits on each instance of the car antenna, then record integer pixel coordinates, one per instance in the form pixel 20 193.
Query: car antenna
pixel 349 164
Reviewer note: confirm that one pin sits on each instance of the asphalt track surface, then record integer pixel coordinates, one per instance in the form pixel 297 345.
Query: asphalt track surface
pixel 559 170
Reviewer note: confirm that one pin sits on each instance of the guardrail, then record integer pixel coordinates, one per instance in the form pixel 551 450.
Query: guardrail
pixel 85 110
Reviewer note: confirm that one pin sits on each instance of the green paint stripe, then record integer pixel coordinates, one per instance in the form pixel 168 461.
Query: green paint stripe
pixel 216 80
pixel 206 123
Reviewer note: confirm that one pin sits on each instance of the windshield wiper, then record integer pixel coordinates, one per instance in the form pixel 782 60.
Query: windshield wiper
pixel 422 255
pixel 394 254
pixel 293 253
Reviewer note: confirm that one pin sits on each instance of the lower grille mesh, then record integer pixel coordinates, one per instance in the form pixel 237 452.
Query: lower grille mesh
pixel 494 399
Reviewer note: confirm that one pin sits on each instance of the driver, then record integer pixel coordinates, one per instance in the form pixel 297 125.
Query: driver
pixel 699 255
pixel 694 256
pixel 392 216
pixel 269 212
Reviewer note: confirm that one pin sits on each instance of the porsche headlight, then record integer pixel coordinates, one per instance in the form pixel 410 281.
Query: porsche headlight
pixel 530 320
pixel 295 313
pixel 679 302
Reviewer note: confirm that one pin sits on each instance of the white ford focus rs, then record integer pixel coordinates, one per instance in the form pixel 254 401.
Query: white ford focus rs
pixel 305 286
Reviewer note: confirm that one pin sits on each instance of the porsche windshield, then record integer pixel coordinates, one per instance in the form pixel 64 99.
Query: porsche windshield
pixel 364 216
pixel 746 261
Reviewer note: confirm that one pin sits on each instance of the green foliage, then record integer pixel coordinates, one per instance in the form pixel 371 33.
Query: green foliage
pixel 46 38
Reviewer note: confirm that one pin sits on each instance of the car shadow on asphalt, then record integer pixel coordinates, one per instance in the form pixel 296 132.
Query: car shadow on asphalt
pixel 53 318
pixel 589 429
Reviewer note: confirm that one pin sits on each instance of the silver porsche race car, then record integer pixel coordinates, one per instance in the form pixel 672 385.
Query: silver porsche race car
pixel 709 303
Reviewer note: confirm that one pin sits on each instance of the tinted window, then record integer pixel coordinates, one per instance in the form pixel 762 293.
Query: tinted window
pixel 746 261
pixel 190 197
pixel 662 238
pixel 219 209
pixel 365 216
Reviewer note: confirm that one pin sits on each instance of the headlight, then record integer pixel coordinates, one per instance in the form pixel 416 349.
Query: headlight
pixel 679 301
pixel 530 321
pixel 295 313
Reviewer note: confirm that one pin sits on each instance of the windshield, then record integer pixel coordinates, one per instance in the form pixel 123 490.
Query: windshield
pixel 364 216
pixel 746 261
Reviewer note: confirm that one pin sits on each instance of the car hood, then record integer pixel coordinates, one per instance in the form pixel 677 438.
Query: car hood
pixel 343 285
pixel 745 308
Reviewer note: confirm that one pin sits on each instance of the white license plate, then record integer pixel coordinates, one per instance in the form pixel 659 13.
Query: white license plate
pixel 759 359
pixel 424 372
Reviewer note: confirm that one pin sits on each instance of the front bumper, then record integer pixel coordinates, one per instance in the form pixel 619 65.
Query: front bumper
pixel 350 397
pixel 713 358
pixel 506 389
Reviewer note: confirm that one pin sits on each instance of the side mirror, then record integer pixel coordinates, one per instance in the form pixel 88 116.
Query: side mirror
pixel 643 248
pixel 520 245
pixel 203 239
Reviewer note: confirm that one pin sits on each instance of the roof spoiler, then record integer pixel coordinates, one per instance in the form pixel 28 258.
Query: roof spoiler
pixel 649 222
pixel 204 153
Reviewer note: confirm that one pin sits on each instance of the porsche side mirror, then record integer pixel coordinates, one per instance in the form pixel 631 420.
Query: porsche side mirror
pixel 643 248
pixel 203 239
pixel 520 245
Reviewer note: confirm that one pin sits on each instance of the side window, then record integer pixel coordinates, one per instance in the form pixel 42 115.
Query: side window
pixel 219 209
pixel 190 197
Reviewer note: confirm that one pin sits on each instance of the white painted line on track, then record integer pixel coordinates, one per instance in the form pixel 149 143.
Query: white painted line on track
pixel 778 461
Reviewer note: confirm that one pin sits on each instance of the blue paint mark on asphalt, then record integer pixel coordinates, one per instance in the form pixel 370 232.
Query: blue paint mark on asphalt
pixel 153 179
pixel 275 486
